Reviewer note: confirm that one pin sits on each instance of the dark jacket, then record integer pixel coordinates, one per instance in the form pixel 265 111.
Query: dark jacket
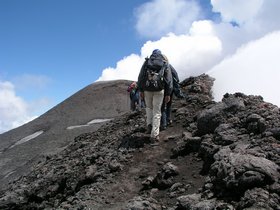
pixel 168 81
pixel 174 74
pixel 176 84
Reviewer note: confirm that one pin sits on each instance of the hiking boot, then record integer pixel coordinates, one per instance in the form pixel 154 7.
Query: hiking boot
pixel 162 128
pixel 154 139
pixel 149 129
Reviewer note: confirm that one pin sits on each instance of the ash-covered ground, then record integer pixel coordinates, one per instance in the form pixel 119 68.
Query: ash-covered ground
pixel 215 155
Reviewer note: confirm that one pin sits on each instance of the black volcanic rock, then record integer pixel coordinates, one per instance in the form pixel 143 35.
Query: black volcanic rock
pixel 215 155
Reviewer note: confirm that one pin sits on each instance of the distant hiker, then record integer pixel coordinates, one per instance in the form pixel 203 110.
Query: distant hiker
pixel 134 95
pixel 166 107
pixel 155 85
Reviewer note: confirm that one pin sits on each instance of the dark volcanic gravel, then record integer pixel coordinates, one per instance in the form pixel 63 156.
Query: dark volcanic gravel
pixel 215 156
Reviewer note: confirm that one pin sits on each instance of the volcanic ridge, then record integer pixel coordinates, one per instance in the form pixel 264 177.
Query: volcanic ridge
pixel 214 156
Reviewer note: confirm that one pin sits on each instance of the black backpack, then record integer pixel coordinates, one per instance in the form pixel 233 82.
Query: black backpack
pixel 155 67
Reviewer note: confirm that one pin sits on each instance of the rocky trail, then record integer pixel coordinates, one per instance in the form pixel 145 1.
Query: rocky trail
pixel 143 174
pixel 215 155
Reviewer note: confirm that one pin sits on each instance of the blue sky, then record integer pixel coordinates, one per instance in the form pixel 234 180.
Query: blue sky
pixel 50 49
pixel 64 43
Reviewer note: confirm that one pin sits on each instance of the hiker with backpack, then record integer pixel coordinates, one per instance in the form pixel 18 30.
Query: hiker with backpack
pixel 166 107
pixel 155 85
pixel 135 101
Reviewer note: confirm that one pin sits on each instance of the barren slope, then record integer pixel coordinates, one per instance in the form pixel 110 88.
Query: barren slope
pixel 20 148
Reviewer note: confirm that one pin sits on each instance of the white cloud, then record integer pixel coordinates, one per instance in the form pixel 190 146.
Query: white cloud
pixel 184 53
pixel 256 19
pixel 200 45
pixel 254 69
pixel 159 17
pixel 13 109
pixel 127 68
pixel 239 11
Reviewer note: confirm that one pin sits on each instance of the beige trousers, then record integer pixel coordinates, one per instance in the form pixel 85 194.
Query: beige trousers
pixel 153 102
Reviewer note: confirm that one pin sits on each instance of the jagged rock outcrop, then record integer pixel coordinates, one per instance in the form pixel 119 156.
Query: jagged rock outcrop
pixel 215 155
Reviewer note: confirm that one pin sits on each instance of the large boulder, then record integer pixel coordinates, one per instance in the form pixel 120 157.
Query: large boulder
pixel 237 171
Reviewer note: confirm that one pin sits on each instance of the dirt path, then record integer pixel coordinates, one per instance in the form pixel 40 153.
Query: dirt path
pixel 146 162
